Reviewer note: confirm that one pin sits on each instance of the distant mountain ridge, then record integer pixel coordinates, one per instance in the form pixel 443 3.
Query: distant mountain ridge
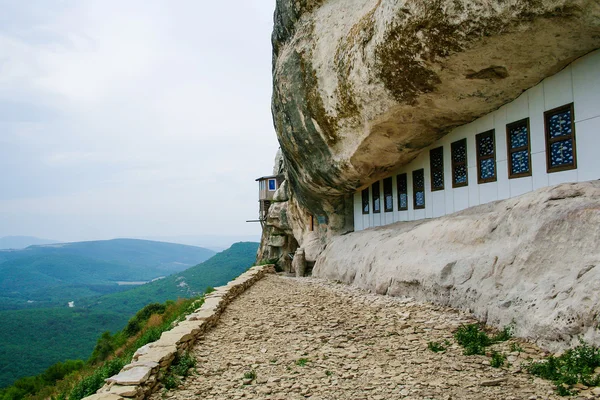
pixel 21 242
pixel 57 273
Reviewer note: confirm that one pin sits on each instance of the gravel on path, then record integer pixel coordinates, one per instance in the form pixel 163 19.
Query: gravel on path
pixel 290 338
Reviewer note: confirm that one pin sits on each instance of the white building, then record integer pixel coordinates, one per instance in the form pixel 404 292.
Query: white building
pixel 548 135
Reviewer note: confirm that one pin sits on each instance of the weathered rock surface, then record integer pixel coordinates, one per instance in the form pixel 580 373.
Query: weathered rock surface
pixel 361 86
pixel 290 338
pixel 533 260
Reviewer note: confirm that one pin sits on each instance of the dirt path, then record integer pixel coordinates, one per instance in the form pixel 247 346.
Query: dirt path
pixel 306 338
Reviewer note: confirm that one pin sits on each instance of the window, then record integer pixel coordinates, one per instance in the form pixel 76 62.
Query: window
pixel 419 188
pixel 519 156
pixel 436 161
pixel 458 152
pixel 376 197
pixel 272 185
pixel 402 187
pixel 365 201
pixel 560 139
pixel 486 157
pixel 388 196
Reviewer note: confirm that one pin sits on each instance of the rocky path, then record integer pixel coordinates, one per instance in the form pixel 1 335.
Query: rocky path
pixel 288 338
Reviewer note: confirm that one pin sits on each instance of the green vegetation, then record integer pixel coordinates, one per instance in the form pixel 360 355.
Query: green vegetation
pixel 437 347
pixel 250 375
pixel 77 379
pixel 301 362
pixel 514 346
pixel 574 366
pixel 34 339
pixel 497 359
pixel 180 368
pixel 47 276
pixel 474 339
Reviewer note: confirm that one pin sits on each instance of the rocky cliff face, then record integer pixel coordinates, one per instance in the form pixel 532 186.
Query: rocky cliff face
pixel 361 86
pixel 531 261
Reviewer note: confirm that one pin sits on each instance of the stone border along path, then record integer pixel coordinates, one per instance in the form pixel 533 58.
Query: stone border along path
pixel 142 377
pixel 297 338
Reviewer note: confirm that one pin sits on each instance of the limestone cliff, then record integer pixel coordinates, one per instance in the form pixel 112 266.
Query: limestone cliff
pixel 361 86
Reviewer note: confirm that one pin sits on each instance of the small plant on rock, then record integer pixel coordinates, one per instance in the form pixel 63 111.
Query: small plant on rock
pixel 516 347
pixel 576 365
pixel 436 347
pixel 301 362
pixel 498 359
pixel 250 375
pixel 474 339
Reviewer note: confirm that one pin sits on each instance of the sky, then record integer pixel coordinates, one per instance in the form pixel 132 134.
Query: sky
pixel 138 118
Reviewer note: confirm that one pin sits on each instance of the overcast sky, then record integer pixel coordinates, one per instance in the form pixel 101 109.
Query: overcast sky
pixel 133 118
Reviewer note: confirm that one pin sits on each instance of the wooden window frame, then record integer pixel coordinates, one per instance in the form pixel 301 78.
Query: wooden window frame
pixel 549 141
pixel 431 169
pixel 491 133
pixel 378 191
pixel 405 175
pixel 415 189
pixel 362 194
pixel 386 194
pixel 524 121
pixel 453 145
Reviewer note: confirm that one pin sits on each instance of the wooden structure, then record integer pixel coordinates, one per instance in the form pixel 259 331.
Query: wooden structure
pixel 267 186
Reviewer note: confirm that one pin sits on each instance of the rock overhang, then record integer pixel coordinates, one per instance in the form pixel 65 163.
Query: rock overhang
pixel 361 87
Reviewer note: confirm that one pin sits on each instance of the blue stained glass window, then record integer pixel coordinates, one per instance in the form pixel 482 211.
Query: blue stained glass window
pixel 519 159
pixel 365 201
pixel 460 174
pixel 403 201
pixel 560 138
pixel 420 199
pixel 458 151
pixel 559 124
pixel 519 162
pixel 376 198
pixel 436 158
pixel 419 188
pixel 486 157
pixel 402 187
pixel 388 197
pixel 488 168
pixel 518 137
pixel 561 153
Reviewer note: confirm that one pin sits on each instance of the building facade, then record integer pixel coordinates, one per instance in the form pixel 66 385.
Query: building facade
pixel 548 135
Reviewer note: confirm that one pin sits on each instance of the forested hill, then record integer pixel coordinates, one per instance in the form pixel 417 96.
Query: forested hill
pixel 34 339
pixel 48 275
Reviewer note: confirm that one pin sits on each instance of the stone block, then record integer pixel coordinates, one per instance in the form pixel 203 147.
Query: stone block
pixel 133 376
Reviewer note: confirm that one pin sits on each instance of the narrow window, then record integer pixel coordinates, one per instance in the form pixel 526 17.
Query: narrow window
pixel 365 201
pixel 519 155
pixel 272 185
pixel 486 157
pixel 402 187
pixel 376 198
pixel 388 196
pixel 459 163
pixel 312 223
pixel 436 160
pixel 419 188
pixel 560 139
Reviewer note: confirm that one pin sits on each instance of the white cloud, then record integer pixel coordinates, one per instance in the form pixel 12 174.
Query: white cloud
pixel 148 113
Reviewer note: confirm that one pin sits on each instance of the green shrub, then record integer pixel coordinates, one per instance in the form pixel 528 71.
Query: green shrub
pixel 90 384
pixel 250 375
pixel 436 347
pixel 497 360
pixel 474 339
pixel 574 366
pixel 301 362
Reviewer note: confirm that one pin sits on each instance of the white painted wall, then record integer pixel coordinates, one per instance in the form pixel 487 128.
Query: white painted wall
pixel 579 83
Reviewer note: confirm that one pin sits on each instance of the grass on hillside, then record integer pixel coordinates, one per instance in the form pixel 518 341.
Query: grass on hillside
pixel 77 379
